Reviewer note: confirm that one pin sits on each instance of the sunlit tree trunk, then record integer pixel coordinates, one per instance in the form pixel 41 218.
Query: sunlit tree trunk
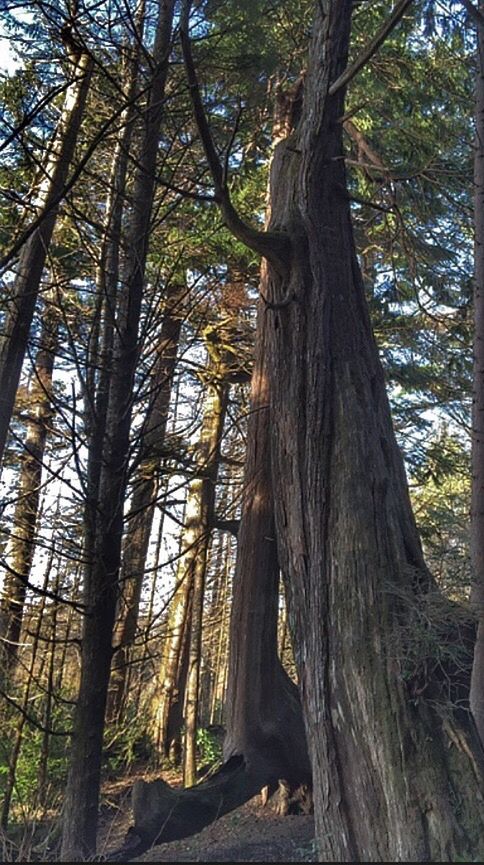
pixel 24 523
pixel 181 651
pixel 25 290
pixel 200 513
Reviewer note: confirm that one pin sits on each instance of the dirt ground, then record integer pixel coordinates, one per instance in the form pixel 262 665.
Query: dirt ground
pixel 251 833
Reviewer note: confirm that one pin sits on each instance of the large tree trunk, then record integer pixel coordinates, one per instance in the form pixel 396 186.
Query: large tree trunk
pixel 101 577
pixel 477 506
pixel 152 449
pixel 13 343
pixel 391 755
pixel 264 718
pixel 22 542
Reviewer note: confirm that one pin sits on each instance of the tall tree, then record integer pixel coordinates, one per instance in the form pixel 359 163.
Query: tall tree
pixel 347 541
pixel 102 570
pixel 152 450
pixel 477 507
pixel 53 177
pixel 21 548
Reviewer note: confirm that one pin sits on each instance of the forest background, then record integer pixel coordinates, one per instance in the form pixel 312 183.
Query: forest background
pixel 128 318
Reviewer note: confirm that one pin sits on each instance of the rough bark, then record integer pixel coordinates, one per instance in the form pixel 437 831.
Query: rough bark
pixel 140 522
pixel 14 339
pixel 101 577
pixel 263 715
pixel 477 504
pixel 21 546
pixel 386 750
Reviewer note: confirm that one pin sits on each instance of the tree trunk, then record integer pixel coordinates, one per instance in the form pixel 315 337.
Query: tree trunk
pixel 477 505
pixel 101 577
pixel 143 499
pixel 388 748
pixel 200 521
pixel 13 343
pixel 263 712
pixel 183 629
pixel 22 541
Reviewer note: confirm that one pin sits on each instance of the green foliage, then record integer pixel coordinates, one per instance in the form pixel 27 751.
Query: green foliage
pixel 209 747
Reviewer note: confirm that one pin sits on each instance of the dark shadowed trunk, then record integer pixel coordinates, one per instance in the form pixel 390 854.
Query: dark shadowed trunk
pixel 101 575
pixel 152 450
pixel 477 507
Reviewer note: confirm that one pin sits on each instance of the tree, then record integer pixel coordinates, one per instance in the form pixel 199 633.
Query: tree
pixel 152 448
pixel 22 543
pixel 347 541
pixel 102 569
pixel 53 177
pixel 477 507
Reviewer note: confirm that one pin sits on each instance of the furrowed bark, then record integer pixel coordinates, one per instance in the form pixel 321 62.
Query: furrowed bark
pixel 477 503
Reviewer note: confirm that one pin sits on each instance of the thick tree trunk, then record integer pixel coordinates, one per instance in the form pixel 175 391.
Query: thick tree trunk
pixel 477 506
pixel 101 578
pixel 13 343
pixel 143 500
pixel 263 715
pixel 391 755
pixel 21 546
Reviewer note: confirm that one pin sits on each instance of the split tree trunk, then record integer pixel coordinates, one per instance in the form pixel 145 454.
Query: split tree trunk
pixel 263 711
pixel 13 343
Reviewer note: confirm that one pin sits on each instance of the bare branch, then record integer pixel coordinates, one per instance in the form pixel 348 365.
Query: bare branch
pixel 474 13
pixel 273 246
pixel 371 49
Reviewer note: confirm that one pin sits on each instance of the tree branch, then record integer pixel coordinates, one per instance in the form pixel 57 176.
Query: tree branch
pixel 474 13
pixel 273 246
pixel 372 48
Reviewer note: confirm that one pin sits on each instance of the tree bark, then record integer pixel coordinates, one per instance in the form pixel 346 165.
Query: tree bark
pixel 477 504
pixel 263 712
pixel 22 541
pixel 387 746
pixel 101 577
pixel 13 342
pixel 202 493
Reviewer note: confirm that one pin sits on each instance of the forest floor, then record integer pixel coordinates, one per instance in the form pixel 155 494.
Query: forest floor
pixel 251 833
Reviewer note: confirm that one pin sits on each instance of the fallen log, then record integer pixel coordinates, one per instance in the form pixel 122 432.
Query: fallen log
pixel 162 813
